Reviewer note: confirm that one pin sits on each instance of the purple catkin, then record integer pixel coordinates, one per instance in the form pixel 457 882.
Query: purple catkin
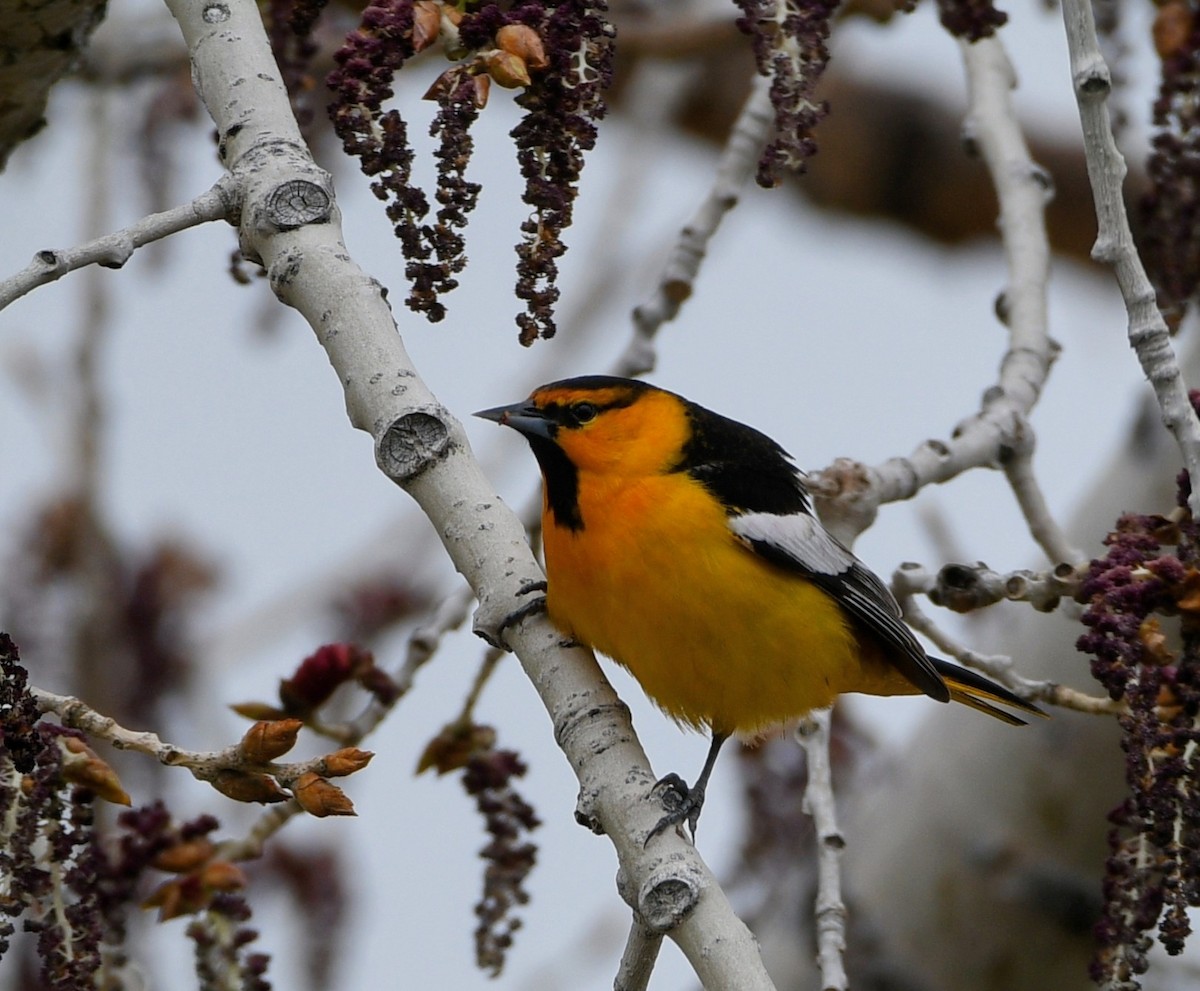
pixel 1150 878
pixel 562 102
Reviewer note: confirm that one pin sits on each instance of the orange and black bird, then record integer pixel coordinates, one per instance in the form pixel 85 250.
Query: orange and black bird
pixel 683 545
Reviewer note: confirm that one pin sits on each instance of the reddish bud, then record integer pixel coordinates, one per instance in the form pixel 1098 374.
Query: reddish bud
pixel 321 673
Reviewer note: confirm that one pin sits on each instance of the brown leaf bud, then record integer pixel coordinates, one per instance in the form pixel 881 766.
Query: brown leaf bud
pixel 1188 594
pixel 81 766
pixel 346 761
pixel 427 24
pixel 454 746
pixel 175 898
pixel 242 786
pixel 524 42
pixel 320 798
pixel 507 69
pixel 483 85
pixel 258 710
pixel 184 856
pixel 1172 28
pixel 221 875
pixel 268 739
pixel 440 86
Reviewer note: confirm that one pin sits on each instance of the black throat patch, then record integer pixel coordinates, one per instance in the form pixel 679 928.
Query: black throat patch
pixel 561 478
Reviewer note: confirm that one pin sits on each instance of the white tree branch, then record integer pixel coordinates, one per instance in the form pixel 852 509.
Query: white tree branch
pixel 830 911
pixel 1148 335
pixel 114 250
pixel 737 165
pixel 850 493
pixel 290 223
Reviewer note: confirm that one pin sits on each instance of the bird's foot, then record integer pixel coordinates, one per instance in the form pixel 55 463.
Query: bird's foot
pixel 530 608
pixel 683 804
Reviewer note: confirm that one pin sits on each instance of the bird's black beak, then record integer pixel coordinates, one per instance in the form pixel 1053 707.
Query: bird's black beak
pixel 523 417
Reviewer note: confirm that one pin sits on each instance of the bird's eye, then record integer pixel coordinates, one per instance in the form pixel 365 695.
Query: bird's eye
pixel 583 412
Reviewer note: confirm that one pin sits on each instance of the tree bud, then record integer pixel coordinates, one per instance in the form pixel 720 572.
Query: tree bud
pixel 524 42
pixel 184 856
pixel 427 24
pixel 320 798
pixel 346 761
pixel 268 739
pixel 507 69
pixel 242 786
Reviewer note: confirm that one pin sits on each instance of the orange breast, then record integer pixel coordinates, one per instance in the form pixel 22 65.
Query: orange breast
pixel 714 634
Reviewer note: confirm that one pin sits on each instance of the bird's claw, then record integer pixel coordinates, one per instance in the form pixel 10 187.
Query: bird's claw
pixel 683 804
pixel 530 608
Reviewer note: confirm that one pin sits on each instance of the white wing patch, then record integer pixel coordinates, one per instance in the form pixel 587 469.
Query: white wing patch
pixel 799 536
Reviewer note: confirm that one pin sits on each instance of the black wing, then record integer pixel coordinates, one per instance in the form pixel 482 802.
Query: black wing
pixel 797 541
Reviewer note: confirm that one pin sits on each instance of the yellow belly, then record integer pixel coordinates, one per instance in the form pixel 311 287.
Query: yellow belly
pixel 714 634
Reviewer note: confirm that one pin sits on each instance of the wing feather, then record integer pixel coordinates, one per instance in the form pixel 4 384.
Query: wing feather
pixel 798 542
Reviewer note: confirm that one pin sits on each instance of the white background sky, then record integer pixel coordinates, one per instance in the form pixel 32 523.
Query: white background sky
pixel 838 337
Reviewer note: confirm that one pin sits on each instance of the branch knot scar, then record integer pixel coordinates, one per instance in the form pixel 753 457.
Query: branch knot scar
pixel 411 444
pixel 297 202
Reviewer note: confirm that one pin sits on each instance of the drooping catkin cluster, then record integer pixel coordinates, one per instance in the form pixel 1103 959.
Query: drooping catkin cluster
pixel 1151 572
pixel 558 53
pixel 1170 240
pixel 74 887
pixel 489 776
pixel 789 46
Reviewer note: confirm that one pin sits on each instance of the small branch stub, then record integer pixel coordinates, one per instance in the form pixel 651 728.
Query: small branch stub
pixel 667 899
pixel 411 444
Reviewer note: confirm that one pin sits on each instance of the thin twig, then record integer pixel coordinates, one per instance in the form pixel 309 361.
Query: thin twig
pixel 1148 334
pixel 114 250
pixel 965 588
pixel 737 164
pixel 909 580
pixel 637 962
pixel 830 912
pixel 205 765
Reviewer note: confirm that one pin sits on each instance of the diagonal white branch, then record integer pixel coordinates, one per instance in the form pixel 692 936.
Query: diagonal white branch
pixel 290 223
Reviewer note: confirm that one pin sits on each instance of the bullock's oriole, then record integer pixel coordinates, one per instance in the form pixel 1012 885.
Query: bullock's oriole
pixel 683 545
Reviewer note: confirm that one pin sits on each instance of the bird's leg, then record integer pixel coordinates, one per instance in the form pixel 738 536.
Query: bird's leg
pixel 529 609
pixel 683 804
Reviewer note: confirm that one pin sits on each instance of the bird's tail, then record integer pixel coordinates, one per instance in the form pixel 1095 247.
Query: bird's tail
pixel 979 692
